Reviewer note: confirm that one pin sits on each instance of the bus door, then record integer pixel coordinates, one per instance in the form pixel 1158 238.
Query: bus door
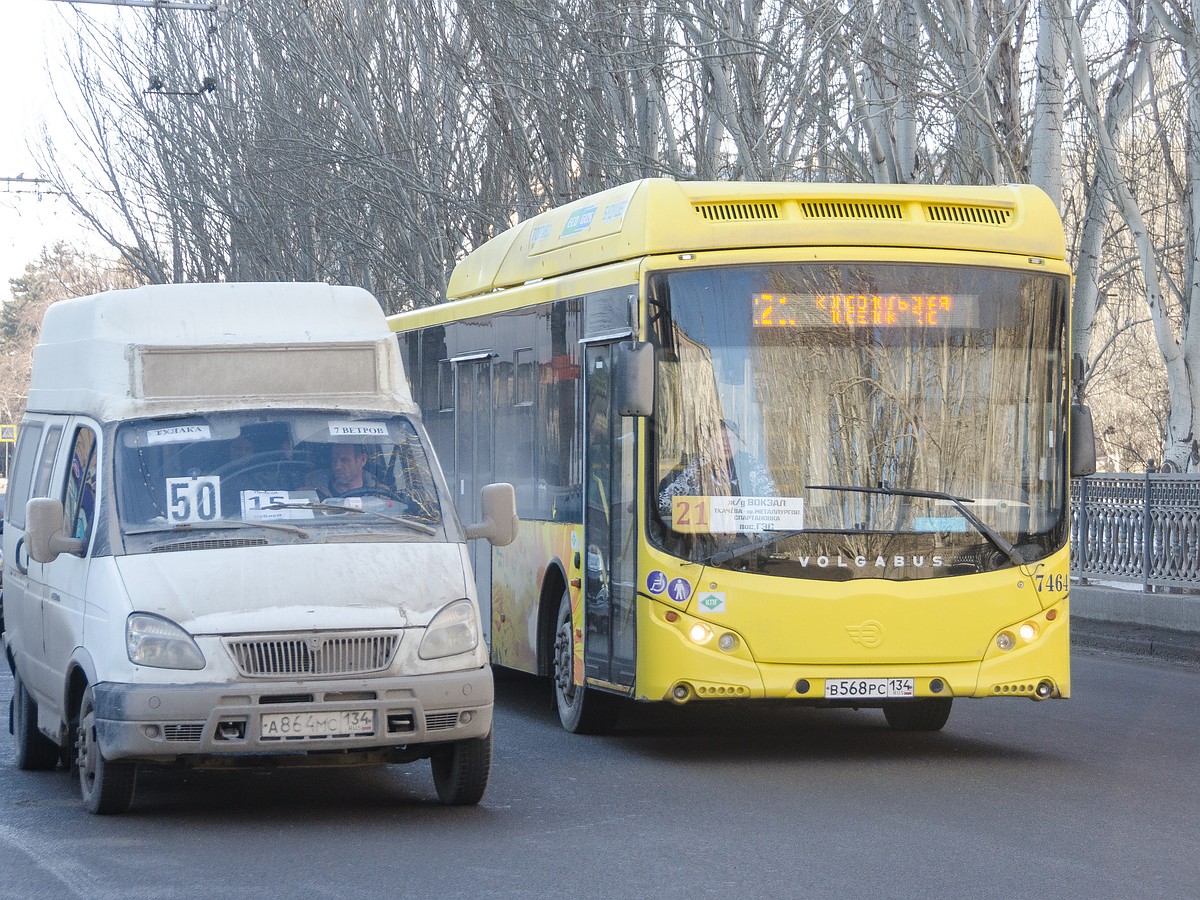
pixel 608 529
pixel 474 464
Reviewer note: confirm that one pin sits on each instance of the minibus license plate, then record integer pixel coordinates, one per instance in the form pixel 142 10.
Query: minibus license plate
pixel 331 723
pixel 868 688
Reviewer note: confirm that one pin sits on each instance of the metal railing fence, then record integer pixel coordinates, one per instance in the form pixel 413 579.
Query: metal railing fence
pixel 1137 528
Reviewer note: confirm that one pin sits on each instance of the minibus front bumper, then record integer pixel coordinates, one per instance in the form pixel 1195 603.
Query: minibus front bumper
pixel 220 723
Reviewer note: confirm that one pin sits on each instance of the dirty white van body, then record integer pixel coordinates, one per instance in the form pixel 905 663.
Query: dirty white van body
pixel 184 581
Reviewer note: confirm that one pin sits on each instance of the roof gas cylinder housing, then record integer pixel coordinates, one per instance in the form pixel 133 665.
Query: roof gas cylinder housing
pixel 156 350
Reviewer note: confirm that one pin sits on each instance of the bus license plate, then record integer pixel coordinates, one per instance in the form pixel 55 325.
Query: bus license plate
pixel 335 723
pixel 868 688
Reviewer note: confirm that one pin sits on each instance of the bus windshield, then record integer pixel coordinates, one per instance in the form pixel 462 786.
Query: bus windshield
pixel 280 474
pixel 858 420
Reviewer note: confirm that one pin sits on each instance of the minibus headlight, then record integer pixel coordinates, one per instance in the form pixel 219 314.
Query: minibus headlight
pixel 158 642
pixel 455 629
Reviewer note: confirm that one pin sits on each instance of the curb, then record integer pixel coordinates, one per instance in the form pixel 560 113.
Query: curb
pixel 1166 645
pixel 1129 605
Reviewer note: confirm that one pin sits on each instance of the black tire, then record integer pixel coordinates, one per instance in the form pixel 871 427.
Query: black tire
pixel 34 751
pixel 580 710
pixel 106 786
pixel 918 715
pixel 461 770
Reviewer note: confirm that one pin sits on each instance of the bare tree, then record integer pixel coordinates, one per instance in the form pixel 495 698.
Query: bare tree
pixel 59 272
pixel 368 143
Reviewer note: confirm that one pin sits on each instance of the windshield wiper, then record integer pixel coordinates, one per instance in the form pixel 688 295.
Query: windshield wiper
pixel 998 540
pixel 735 552
pixel 218 525
pixel 414 524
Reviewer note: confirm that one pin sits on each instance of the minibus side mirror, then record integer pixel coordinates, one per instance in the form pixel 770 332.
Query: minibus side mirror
pixel 1083 441
pixel 633 378
pixel 44 530
pixel 499 525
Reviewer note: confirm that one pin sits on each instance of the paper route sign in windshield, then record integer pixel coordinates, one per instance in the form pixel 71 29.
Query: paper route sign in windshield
pixel 733 515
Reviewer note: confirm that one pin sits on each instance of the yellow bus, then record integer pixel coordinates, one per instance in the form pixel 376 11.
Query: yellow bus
pixel 805 443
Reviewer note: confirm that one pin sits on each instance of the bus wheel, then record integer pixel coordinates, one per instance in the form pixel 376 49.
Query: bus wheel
pixel 581 711
pixel 106 786
pixel 918 715
pixel 35 751
pixel 461 770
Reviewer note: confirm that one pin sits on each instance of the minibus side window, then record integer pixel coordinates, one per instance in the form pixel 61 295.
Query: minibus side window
pixel 41 487
pixel 18 488
pixel 79 497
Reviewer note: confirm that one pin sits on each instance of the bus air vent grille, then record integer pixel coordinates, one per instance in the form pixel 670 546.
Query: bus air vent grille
pixel 969 215
pixel 738 212
pixel 844 209
pixel 317 654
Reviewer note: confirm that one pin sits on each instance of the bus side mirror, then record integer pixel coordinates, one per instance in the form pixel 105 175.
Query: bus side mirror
pixel 500 522
pixel 1083 441
pixel 633 378
pixel 44 530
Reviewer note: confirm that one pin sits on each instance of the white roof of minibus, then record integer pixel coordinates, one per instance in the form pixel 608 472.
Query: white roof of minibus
pixel 89 358
pixel 228 313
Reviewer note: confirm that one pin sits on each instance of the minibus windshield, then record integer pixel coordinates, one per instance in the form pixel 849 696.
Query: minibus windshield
pixel 298 473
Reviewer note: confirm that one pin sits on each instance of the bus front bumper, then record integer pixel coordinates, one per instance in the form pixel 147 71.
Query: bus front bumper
pixel 675 667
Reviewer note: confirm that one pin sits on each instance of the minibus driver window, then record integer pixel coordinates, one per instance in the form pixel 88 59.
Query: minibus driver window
pixel 79 500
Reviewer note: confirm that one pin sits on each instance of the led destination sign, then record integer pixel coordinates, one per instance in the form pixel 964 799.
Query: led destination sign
pixel 851 310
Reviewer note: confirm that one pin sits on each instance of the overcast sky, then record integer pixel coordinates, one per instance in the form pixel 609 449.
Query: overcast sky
pixel 28 222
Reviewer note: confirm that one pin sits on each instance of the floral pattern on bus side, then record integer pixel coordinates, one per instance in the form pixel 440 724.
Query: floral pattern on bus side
pixel 518 571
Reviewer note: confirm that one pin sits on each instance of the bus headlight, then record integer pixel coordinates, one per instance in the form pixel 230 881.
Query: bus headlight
pixel 1005 641
pixel 455 629
pixel 154 641
pixel 700 633
pixel 1028 631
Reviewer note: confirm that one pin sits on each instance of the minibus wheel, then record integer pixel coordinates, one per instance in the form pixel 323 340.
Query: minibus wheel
pixel 35 752
pixel 106 786
pixel 461 770
pixel 580 710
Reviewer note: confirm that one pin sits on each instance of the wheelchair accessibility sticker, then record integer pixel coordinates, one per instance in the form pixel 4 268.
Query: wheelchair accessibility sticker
pixel 656 582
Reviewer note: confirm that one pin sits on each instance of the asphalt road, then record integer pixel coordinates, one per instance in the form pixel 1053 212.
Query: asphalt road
pixel 1095 797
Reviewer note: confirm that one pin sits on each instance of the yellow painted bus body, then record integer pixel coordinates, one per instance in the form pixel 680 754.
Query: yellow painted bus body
pixel 1002 633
